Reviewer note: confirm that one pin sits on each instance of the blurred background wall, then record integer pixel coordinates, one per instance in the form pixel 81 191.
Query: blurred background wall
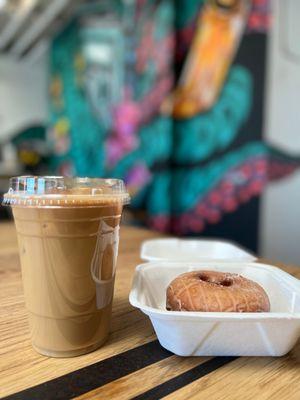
pixel 23 91
pixel 269 51
pixel 280 217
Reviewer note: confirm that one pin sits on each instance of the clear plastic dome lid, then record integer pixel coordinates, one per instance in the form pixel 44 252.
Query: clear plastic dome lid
pixel 53 191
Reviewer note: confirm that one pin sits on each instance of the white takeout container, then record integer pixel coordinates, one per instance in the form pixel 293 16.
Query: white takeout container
pixel 220 334
pixel 172 249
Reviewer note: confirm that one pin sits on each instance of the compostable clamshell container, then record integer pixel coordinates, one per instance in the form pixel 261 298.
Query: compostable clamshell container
pixel 214 333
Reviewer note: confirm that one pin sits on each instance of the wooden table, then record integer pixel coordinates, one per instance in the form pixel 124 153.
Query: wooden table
pixel 131 364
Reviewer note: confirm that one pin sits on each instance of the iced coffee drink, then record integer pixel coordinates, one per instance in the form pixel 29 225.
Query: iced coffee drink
pixel 68 234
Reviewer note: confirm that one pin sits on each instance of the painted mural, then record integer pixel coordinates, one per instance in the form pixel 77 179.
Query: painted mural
pixel 163 94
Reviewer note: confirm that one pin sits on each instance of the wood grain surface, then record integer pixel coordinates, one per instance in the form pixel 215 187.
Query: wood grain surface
pixel 131 364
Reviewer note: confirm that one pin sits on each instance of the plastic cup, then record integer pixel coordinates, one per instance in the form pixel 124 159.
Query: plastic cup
pixel 68 235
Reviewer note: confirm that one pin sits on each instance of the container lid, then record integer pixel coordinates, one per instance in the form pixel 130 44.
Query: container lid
pixel 59 191
pixel 192 250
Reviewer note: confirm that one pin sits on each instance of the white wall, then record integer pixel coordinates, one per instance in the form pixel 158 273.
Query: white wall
pixel 280 213
pixel 23 95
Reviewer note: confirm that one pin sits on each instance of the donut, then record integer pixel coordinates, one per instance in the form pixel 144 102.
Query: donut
pixel 213 291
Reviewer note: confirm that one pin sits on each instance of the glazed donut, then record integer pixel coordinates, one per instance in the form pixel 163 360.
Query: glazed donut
pixel 213 291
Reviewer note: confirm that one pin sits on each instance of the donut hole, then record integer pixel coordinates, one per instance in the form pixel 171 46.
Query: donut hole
pixel 204 278
pixel 226 282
